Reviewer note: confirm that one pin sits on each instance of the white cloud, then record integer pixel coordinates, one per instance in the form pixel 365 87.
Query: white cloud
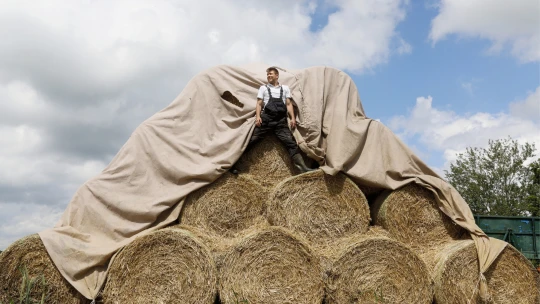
pixel 512 23
pixel 77 77
pixel 17 220
pixel 451 133
pixel 528 108
pixel 404 47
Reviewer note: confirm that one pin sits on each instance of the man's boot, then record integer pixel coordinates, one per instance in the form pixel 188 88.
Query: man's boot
pixel 299 163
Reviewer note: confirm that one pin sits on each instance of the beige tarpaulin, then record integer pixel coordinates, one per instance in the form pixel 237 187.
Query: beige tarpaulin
pixel 196 139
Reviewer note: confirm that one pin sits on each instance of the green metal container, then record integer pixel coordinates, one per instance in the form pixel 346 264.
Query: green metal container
pixel 522 232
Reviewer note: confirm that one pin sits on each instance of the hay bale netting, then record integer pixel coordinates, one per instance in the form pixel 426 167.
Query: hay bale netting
pixel 412 216
pixel 226 206
pixel 267 162
pixel 372 268
pixel 29 254
pixel 454 269
pixel 165 266
pixel 271 266
pixel 319 207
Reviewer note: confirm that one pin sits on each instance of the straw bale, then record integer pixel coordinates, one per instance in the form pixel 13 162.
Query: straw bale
pixel 30 253
pixel 271 266
pixel 329 251
pixel 319 207
pixel 217 244
pixel 226 206
pixel 165 266
pixel 454 269
pixel 372 268
pixel 411 215
pixel 267 162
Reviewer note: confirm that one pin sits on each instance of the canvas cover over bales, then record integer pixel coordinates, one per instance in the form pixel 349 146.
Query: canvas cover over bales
pixel 197 138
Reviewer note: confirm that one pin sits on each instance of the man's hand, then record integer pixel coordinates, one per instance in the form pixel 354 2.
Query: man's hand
pixel 293 123
pixel 258 121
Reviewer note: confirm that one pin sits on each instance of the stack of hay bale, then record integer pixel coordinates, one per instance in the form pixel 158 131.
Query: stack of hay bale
pixel 411 216
pixel 270 235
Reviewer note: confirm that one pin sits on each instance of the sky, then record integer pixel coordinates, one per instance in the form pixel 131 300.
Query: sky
pixel 78 76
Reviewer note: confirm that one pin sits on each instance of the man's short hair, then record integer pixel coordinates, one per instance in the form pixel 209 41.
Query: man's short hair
pixel 272 69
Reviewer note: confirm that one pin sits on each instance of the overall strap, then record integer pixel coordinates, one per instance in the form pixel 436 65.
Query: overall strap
pixel 269 93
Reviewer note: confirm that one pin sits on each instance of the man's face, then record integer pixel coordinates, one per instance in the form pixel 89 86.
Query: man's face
pixel 271 76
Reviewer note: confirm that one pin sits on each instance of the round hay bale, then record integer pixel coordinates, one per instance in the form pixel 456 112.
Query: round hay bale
pixel 411 215
pixel 29 255
pixel 319 207
pixel 511 278
pixel 372 268
pixel 219 245
pixel 330 251
pixel 227 206
pixel 165 266
pixel 271 266
pixel 215 243
pixel 267 162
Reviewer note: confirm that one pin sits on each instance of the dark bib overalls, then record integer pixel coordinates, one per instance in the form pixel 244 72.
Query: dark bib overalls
pixel 274 117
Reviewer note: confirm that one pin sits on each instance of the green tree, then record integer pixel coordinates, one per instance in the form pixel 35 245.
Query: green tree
pixel 495 180
pixel 533 199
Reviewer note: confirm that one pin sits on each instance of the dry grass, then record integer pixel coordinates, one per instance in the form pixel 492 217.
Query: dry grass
pixel 267 162
pixel 319 207
pixel 411 216
pixel 271 266
pixel 166 266
pixel 217 244
pixel 29 253
pixel 372 268
pixel 454 268
pixel 227 206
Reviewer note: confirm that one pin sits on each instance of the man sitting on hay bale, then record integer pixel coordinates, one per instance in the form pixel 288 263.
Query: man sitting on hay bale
pixel 271 114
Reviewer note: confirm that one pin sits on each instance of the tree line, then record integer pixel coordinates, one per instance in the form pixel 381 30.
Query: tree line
pixel 502 179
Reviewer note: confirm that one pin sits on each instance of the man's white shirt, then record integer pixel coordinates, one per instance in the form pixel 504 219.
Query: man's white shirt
pixel 263 93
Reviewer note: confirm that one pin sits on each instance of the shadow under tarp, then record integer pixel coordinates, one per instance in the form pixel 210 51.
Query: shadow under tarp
pixel 197 138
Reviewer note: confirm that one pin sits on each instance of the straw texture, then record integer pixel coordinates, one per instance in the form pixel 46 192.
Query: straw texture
pixel 219 245
pixel 227 206
pixel 411 215
pixel 319 207
pixel 372 268
pixel 267 162
pixel 454 268
pixel 30 254
pixel 166 266
pixel 271 266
